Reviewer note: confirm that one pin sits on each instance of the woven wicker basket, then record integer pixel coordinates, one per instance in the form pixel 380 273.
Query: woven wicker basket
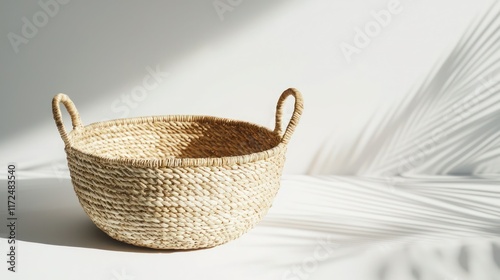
pixel 175 182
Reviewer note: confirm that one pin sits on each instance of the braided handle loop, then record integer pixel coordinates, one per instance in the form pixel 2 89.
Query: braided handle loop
pixel 294 120
pixel 73 113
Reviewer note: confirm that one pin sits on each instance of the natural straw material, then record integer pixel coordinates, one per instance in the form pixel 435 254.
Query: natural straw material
pixel 175 182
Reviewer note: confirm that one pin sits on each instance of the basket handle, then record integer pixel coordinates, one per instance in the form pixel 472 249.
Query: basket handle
pixel 294 120
pixel 73 113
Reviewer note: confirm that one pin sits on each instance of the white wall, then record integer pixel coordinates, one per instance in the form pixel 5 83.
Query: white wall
pixel 233 64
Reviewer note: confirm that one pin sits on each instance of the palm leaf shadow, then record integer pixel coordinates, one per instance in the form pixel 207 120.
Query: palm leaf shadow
pixel 448 125
pixel 362 216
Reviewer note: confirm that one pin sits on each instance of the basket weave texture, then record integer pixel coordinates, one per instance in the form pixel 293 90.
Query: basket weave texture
pixel 175 182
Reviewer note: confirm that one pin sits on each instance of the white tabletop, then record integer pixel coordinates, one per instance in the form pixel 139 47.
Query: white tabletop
pixel 318 228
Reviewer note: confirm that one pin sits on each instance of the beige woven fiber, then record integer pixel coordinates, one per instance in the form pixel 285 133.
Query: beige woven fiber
pixel 175 182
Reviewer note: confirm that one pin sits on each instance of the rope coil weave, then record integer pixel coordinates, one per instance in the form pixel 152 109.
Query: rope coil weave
pixel 175 182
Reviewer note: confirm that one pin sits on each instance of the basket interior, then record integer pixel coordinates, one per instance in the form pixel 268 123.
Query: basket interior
pixel 170 138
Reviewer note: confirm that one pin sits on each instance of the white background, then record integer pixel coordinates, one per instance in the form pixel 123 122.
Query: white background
pixel 233 65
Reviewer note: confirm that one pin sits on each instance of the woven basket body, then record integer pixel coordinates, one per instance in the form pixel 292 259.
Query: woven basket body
pixel 175 182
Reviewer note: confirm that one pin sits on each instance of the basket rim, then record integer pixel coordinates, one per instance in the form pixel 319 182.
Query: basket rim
pixel 174 162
